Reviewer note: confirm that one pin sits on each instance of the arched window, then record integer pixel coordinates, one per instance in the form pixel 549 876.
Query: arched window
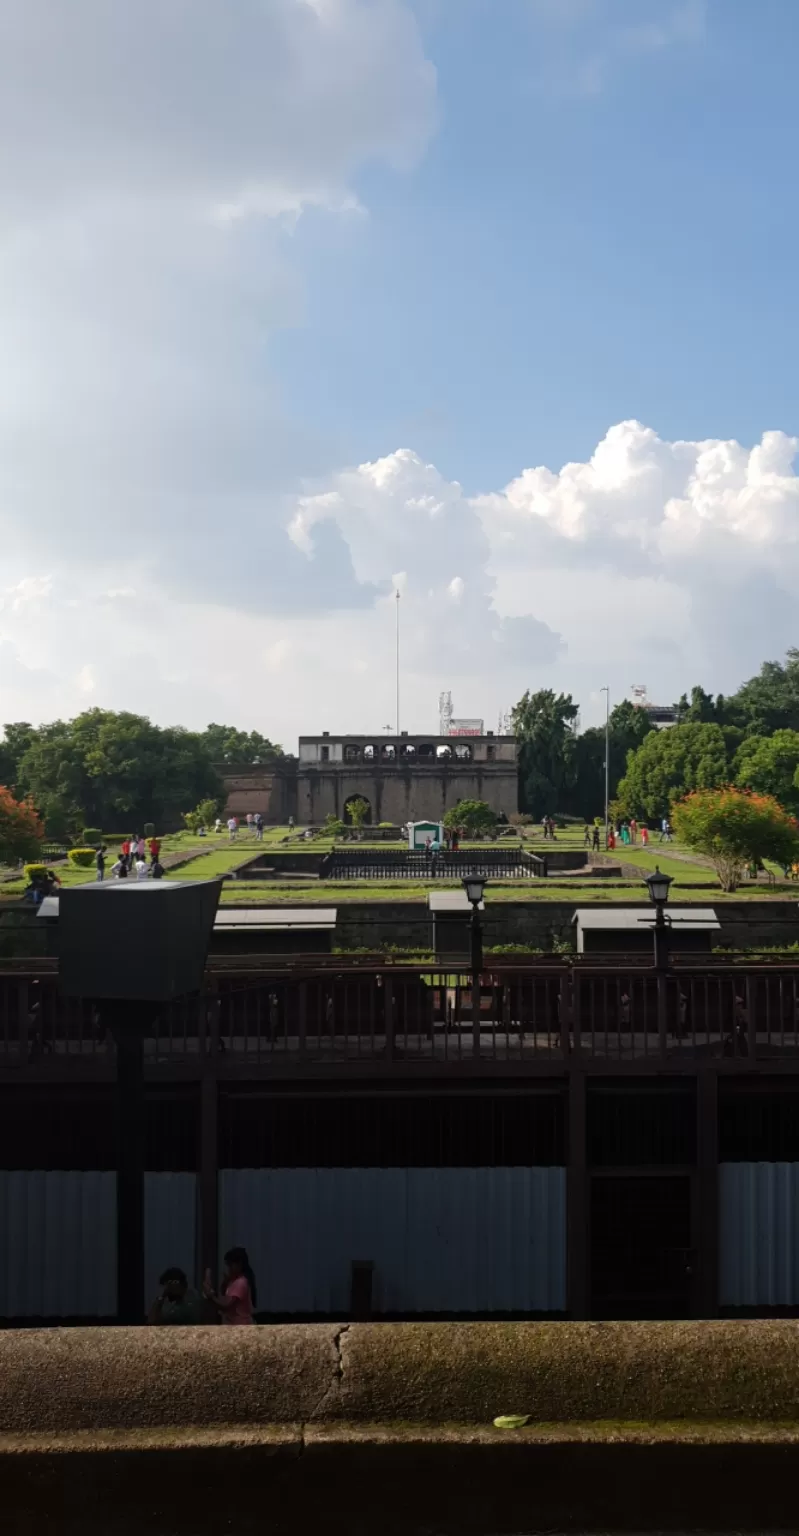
pixel 352 754
pixel 443 754
pixel 463 753
pixel 408 751
pixel 369 754
pixel 389 753
pixel 427 752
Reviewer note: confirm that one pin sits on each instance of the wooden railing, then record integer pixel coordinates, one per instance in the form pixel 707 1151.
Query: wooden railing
pixel 545 1015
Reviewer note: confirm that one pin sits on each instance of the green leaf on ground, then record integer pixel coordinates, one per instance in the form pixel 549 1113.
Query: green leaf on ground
pixel 512 1420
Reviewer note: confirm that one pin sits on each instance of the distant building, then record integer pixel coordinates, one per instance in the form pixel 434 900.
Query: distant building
pixel 661 715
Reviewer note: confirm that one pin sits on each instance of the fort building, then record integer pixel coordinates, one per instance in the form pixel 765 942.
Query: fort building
pixel 405 778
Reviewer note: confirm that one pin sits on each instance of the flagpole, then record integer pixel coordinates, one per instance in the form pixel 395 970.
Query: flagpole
pixel 398 663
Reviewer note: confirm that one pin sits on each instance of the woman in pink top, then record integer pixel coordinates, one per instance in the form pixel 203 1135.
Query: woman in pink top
pixel 238 1295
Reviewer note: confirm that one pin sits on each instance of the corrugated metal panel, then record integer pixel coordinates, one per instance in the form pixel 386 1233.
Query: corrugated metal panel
pixel 441 1239
pixel 58 1253
pixel 759 1234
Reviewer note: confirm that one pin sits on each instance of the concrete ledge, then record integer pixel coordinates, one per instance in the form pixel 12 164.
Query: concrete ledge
pixel 389 1427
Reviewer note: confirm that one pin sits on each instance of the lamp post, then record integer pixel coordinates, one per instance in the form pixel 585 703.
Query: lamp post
pixel 474 886
pixel 606 692
pixel 658 886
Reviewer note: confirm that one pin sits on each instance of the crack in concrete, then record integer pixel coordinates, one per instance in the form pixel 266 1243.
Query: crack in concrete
pixel 332 1389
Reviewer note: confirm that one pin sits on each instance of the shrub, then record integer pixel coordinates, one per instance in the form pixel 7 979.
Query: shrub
pixel 385 823
pixel 35 871
pixel 149 828
pixel 473 816
pixel 520 819
pixel 92 837
pixel 82 858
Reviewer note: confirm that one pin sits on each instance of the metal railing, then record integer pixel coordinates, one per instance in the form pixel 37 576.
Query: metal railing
pixel 402 864
pixel 548 1013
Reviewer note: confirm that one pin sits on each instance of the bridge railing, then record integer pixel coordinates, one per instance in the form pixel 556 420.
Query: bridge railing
pixel 543 1014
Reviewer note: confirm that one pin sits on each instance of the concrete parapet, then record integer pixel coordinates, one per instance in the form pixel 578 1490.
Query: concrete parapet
pixel 349 1429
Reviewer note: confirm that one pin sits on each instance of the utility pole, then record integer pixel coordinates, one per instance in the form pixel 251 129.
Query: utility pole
pixel 606 692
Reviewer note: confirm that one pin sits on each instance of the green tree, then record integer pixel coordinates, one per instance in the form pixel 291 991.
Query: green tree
pixel 735 828
pixel 471 816
pixel 21 830
pixel 225 744
pixel 769 764
pixel 358 811
pixel 668 764
pixel 17 737
pixel 202 816
pixel 628 725
pixel 770 701
pixel 543 724
pixel 102 769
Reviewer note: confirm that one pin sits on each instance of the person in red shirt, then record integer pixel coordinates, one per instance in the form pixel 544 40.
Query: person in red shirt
pixel 126 847
pixel 238 1295
pixel 155 848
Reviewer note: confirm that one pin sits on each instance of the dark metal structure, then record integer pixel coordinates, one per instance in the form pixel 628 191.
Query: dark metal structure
pixel 634 1078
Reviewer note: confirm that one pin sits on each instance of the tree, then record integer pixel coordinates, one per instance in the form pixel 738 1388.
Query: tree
pixel 735 828
pixel 668 764
pixel 202 816
pixel 769 764
pixel 104 768
pixel 471 816
pixel 543 723
pixel 627 727
pixel 21 830
pixel 225 744
pixel 358 810
pixel 770 701
pixel 17 738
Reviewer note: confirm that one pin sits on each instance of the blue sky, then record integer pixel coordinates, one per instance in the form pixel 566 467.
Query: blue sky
pixel 569 255
pixel 304 300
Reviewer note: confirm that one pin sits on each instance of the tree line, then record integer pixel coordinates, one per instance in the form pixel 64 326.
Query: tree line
pixel 118 770
pixel 749 738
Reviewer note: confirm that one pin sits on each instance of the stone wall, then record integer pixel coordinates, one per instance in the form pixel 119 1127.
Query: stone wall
pixel 400 794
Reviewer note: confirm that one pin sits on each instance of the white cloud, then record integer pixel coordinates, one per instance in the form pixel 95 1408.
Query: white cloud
pixel 652 561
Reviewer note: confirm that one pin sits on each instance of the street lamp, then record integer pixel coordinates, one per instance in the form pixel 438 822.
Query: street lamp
pixel 474 886
pixel 658 886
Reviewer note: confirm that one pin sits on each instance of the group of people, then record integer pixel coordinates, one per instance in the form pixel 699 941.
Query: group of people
pixel 234 1303
pixel 548 828
pixel 254 823
pixel 132 860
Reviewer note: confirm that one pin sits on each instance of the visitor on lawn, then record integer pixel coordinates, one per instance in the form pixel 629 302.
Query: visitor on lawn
pixel 99 860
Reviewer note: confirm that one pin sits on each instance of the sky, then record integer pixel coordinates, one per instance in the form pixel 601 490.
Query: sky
pixel 304 302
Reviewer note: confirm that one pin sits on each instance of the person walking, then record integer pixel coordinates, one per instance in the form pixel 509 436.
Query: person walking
pixel 237 1296
pixel 644 836
pixel 595 841
pixel 249 821
pixel 633 829
pixel 291 823
pixel 155 848
pixel 99 860
pixel 259 827
pixel 587 837
pixel 232 829
pixel 218 826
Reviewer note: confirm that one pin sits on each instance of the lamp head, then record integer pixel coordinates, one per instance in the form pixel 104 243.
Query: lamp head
pixel 658 885
pixel 474 885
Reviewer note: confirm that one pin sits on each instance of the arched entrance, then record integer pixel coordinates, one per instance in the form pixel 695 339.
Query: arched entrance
pixel 357 817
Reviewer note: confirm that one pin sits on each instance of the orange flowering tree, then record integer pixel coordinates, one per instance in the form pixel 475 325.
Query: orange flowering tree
pixel 21 830
pixel 735 828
